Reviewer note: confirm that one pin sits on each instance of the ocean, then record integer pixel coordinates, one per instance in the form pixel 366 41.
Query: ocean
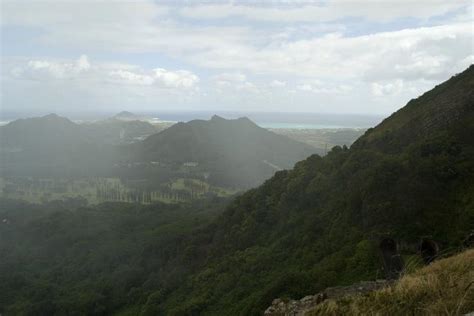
pixel 288 120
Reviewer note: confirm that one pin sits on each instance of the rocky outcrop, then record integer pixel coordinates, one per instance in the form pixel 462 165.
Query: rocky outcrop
pixel 282 307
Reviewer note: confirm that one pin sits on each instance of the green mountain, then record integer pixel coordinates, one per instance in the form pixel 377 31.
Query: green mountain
pixel 129 116
pixel 229 153
pixel 118 131
pixel 320 224
pixel 49 145
pixel 54 145
pixel 233 152
pixel 306 229
pixel 41 132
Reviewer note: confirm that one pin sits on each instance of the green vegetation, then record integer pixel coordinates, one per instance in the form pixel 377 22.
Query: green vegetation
pixel 66 258
pixel 303 230
pixel 234 153
pixel 98 190
pixel 443 288
pixel 322 139
pixel 231 154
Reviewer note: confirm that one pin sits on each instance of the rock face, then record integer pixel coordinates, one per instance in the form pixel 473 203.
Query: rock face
pixel 281 307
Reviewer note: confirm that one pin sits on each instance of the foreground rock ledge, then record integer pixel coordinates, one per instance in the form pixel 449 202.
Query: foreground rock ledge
pixel 281 307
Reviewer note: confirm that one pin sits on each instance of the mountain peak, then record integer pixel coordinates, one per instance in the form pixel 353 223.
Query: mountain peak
pixel 217 118
pixel 124 114
pixel 245 119
pixel 241 120
pixel 52 116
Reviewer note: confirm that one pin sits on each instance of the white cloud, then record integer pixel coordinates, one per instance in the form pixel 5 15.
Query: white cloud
pixel 230 78
pixel 430 53
pixel 320 87
pixel 277 84
pixel 130 77
pixel 45 69
pixel 234 81
pixel 51 13
pixel 374 10
pixel 175 79
pixel 384 89
pixel 304 87
pixel 293 43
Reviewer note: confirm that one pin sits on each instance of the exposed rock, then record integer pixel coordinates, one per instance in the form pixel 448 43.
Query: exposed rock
pixel 281 307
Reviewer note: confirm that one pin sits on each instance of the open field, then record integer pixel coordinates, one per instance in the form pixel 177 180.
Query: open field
pixel 97 190
pixel 323 139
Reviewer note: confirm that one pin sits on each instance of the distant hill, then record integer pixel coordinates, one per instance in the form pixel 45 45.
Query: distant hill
pixel 54 145
pixel 50 145
pixel 41 132
pixel 129 116
pixel 234 152
pixel 118 131
pixel 230 153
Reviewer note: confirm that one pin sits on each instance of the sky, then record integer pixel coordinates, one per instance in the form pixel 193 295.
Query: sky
pixel 332 56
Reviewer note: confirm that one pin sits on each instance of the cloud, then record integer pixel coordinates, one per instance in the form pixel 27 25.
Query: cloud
pixel 44 69
pixel 304 87
pixel 277 84
pixel 430 53
pixel 180 79
pixel 375 10
pixel 225 78
pixel 339 51
pixel 81 69
pixel 175 79
pixel 384 89
pixel 234 81
pixel 130 77
pixel 51 13
pixel 320 87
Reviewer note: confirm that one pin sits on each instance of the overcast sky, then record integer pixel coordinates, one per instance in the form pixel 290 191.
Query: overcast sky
pixel 335 56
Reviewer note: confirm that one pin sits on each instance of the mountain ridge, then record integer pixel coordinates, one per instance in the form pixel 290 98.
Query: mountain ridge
pixel 319 224
pixel 233 150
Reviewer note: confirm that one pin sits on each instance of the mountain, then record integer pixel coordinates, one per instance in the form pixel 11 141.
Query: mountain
pixel 54 145
pixel 411 178
pixel 437 110
pixel 234 152
pixel 49 145
pixel 129 116
pixel 230 153
pixel 47 131
pixel 405 183
pixel 118 131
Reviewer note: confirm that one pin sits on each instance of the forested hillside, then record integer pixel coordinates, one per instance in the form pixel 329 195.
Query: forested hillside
pixel 315 226
pixel 320 224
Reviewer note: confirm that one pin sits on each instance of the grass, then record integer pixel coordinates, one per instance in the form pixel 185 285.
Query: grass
pixel 445 287
pixel 31 190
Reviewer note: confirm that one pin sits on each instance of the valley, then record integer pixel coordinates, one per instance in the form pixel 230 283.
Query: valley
pixel 100 190
pixel 326 223
pixel 117 160
pixel 236 158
